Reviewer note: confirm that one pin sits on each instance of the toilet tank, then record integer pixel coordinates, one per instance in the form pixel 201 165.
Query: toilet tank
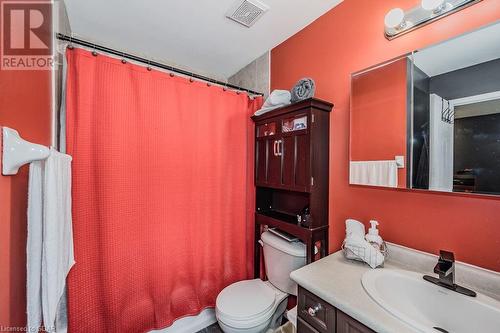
pixel 281 257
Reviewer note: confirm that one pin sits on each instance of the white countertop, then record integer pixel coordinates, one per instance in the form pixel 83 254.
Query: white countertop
pixel 337 280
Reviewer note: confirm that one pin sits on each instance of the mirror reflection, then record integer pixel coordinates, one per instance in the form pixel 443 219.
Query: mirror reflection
pixel 431 120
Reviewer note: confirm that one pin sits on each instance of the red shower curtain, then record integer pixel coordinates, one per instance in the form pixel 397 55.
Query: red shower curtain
pixel 161 169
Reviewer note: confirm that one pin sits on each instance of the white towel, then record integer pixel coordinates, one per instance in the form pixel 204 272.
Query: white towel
pixel 52 212
pixel 375 173
pixel 34 247
pixel 276 99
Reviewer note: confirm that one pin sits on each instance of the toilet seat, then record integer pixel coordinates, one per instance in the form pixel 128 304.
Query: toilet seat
pixel 246 303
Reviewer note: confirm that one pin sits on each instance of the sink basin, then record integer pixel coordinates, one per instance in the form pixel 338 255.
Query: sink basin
pixel 428 307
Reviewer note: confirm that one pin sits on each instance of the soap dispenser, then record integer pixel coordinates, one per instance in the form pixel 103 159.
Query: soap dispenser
pixel 373 236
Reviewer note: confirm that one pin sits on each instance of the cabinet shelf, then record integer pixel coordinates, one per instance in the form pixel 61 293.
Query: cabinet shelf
pixel 271 219
pixel 278 215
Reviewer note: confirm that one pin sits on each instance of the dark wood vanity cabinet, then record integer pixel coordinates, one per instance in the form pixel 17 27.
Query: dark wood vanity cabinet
pixel 317 316
pixel 291 173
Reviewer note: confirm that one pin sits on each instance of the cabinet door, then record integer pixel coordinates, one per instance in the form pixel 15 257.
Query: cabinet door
pixel 266 153
pixel 295 157
pixel 273 162
pixel 303 327
pixel 346 324
pixel 261 162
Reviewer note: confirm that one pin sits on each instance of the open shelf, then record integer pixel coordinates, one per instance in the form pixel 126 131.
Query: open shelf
pixel 282 216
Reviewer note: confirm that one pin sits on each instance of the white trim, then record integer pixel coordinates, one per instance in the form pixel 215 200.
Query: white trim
pixel 475 99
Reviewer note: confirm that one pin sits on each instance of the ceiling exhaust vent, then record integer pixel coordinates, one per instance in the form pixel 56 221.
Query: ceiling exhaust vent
pixel 247 12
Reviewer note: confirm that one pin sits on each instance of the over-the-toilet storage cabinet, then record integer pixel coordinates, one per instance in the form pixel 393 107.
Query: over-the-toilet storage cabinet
pixel 291 172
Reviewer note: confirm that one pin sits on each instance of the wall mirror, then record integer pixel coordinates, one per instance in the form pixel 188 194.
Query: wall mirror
pixel 430 120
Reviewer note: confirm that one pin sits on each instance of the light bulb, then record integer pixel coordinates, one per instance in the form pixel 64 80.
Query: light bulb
pixel 433 5
pixel 395 18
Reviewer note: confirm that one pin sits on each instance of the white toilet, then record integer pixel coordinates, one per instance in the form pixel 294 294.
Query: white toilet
pixel 256 306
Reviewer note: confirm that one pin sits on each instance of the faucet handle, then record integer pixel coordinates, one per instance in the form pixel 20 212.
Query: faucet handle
pixel 446 256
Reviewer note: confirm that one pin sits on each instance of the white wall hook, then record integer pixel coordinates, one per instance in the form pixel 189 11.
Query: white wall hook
pixel 17 152
pixel 400 162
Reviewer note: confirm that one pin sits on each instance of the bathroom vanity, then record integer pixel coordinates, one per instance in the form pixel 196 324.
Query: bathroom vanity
pixel 337 295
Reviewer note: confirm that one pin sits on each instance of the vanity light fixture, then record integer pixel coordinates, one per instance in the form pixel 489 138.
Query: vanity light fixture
pixel 395 19
pixel 435 6
pixel 398 22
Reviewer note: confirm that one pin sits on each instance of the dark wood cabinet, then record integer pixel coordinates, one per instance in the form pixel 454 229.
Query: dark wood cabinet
pixel 291 173
pixel 317 316
pixel 346 324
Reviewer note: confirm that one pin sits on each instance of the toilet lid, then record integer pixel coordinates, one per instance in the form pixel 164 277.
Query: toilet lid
pixel 246 299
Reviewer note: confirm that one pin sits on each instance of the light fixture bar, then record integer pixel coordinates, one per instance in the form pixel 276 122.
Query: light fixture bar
pixel 420 16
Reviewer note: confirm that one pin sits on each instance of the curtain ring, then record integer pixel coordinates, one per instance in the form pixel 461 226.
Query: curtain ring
pixel 191 79
pixel 94 52
pixel 149 66
pixel 209 84
pixel 70 46
pixel 172 71
pixel 224 88
pixel 124 61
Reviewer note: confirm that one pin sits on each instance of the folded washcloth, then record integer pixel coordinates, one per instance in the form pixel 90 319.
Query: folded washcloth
pixel 276 99
pixel 304 89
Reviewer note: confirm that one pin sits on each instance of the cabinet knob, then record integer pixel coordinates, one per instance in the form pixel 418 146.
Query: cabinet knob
pixel 313 310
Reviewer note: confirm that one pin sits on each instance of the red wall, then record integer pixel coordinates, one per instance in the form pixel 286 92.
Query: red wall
pixel 348 39
pixel 378 116
pixel 25 101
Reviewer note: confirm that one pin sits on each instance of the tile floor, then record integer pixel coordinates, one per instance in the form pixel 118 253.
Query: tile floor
pixel 211 329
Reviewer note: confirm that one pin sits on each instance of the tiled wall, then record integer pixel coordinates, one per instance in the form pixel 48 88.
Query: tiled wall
pixel 254 76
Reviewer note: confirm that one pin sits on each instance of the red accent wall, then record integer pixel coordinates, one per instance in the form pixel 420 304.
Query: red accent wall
pixel 25 105
pixel 350 38
pixel 378 117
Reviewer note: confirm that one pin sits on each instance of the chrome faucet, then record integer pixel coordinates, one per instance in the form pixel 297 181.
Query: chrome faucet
pixel 445 268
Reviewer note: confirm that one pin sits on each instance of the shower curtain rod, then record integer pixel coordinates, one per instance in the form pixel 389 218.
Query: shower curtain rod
pixel 129 56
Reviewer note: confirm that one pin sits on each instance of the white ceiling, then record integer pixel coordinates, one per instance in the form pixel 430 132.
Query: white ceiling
pixel 193 34
pixel 471 49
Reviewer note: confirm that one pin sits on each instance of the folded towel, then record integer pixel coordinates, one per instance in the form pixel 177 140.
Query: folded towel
pixel 34 247
pixel 50 241
pixel 276 99
pixel 304 89
pixel 374 173
pixel 58 257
